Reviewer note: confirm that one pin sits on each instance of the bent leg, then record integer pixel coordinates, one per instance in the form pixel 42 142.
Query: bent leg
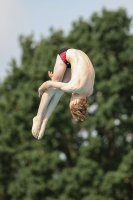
pixel 48 99
pixel 52 104
pixel 59 71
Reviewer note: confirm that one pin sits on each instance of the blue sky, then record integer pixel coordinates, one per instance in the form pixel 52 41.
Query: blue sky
pixel 37 16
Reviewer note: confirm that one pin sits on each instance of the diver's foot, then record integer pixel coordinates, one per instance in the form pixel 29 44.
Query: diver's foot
pixel 42 129
pixel 36 126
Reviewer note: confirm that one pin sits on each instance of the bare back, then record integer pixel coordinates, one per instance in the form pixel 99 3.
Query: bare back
pixel 82 70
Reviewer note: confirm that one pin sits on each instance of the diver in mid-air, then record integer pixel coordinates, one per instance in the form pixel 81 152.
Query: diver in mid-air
pixel 73 73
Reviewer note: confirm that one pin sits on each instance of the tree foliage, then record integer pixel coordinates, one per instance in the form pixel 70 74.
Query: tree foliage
pixel 92 160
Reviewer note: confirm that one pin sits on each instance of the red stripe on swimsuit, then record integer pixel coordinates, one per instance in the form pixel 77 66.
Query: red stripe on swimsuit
pixel 63 56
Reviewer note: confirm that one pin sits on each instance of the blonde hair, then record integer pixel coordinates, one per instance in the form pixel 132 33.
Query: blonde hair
pixel 79 110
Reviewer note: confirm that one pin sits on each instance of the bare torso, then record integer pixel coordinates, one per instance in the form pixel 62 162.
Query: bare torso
pixel 82 71
pixel 82 74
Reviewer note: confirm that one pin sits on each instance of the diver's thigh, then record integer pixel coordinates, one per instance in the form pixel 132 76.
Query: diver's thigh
pixel 59 70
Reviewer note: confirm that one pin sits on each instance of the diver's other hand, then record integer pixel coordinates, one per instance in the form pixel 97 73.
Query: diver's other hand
pixel 42 88
pixel 50 74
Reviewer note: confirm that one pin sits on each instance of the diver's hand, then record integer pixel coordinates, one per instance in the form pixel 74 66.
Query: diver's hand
pixel 50 74
pixel 43 88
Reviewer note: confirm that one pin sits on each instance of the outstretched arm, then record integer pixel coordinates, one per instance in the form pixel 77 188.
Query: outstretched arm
pixel 66 87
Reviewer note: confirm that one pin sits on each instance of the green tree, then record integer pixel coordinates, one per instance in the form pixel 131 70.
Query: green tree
pixel 73 161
